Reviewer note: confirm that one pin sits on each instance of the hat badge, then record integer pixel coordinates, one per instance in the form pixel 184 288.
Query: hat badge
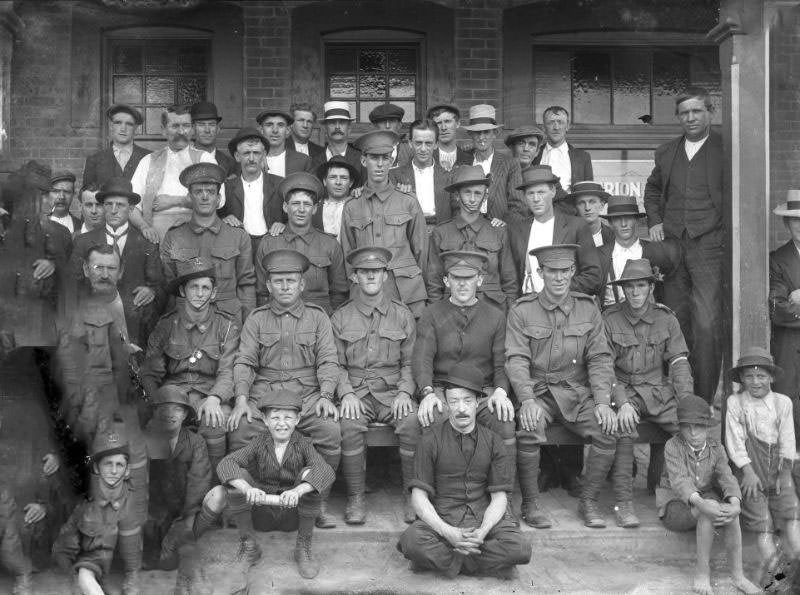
pixel 113 437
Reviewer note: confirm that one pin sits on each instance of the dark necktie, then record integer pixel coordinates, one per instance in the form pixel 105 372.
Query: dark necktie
pixel 115 238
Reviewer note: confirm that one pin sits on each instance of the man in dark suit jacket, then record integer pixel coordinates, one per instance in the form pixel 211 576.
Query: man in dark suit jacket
pixel 121 158
pixel 304 118
pixel 448 154
pixel 539 186
pixel 281 161
pixel 336 121
pixel 684 202
pixel 205 125
pixel 141 284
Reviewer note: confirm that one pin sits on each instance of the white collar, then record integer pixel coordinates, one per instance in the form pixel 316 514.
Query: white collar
pixel 562 148
pixel 258 180
pixel 115 232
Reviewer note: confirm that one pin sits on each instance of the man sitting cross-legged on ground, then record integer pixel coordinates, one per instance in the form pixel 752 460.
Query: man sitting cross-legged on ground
pixel 462 477
pixel 280 473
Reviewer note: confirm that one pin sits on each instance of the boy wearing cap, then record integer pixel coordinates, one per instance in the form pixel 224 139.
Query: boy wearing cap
pixel 280 160
pixel 462 478
pixel 120 159
pixel 447 153
pixel 206 235
pixel 471 231
pixel 375 340
pixel 326 284
pixel 700 491
pixel 588 199
pixel 193 348
pixel 336 121
pixel 280 473
pixel 645 338
pixel 180 475
pixel 104 521
pixel 384 216
pixel 205 128
pixel 561 368
pixel 759 436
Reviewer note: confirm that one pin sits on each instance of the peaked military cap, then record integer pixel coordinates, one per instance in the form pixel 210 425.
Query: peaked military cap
pixel 173 394
pixel 464 263
pixel 301 180
pixel 369 257
pixel 118 187
pixel 755 357
pixel 110 440
pixel 636 269
pixel 194 268
pixel 202 172
pixel 537 174
pixel 693 410
pixel 281 399
pixel 468 175
pixel 559 256
pixel 285 261
pixel 204 110
pixel 465 376
pixel 60 176
pixel 622 206
pixel 386 111
pixel 377 142
pixel 587 188
pixel 121 107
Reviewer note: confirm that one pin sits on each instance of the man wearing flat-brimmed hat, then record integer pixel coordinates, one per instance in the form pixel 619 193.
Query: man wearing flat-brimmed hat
pixel 471 230
pixel 336 121
pixel 504 200
pixel 524 143
pixel 644 390
pixel 280 160
pixel 624 216
pixel 447 153
pixel 587 200
pixel 120 159
pixel 206 127
pixel 561 368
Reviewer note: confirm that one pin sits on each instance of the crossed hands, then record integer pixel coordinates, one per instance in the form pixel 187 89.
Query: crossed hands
pixel 464 541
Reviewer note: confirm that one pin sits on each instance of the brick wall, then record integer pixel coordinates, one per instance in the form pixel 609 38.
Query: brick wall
pixel 478 50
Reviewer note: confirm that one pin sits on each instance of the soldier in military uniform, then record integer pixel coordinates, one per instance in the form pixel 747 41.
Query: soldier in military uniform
pixel 561 368
pixel 205 234
pixel 645 337
pixel 384 216
pixel 193 348
pixel 470 230
pixel 375 339
pixel 105 521
pixel 326 282
pixel 288 344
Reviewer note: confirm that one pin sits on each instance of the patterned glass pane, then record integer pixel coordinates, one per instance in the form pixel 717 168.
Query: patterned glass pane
pixel 372 61
pixel 551 81
pixel 160 90
pixel 670 77
pixel 402 86
pixel 160 59
pixel 704 72
pixel 127 60
pixel 372 86
pixel 191 90
pixel 365 107
pixel 342 87
pixel 127 89
pixel 631 87
pixel 341 60
pixel 410 110
pixel 591 88
pixel 152 120
pixel 192 59
pixel 402 61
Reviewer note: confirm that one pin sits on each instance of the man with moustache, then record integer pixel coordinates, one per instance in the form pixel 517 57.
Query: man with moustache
pixel 206 127
pixel 447 152
pixel 337 120
pixel 304 117
pixel 338 177
pixel 92 214
pixel 156 179
pixel 62 189
pixel 123 156
pixel 280 160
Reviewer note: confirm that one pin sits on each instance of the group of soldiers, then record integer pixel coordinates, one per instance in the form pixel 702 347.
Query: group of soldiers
pixel 230 326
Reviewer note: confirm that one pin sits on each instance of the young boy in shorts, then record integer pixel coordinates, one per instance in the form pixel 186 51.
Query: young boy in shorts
pixel 700 492
pixel 761 444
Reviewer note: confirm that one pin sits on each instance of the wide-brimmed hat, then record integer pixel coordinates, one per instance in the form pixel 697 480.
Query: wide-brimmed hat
pixel 693 410
pixel 274 112
pixel 587 188
pixel 172 393
pixel 336 110
pixel 386 111
pixel 537 174
pixel 110 439
pixel 636 269
pixel 622 206
pixel 121 107
pixel 524 132
pixel 755 357
pixel 244 134
pixel 118 187
pixel 558 256
pixel 339 161
pixel 377 142
pixel 790 208
pixel 482 117
pixel 369 257
pixel 204 110
pixel 468 175
pixel 300 180
pixel 465 376
pixel 194 268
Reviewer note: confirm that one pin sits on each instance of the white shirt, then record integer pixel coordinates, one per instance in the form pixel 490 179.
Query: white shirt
pixel 65 221
pixel 692 147
pixel 768 419
pixel 84 229
pixel 558 160
pixel 486 165
pixel 619 256
pixel 122 239
pixel 276 164
pixel 423 184
pixel 253 213
pixel 598 238
pixel 177 161
pixel 330 154
pixel 332 216
pixel 541 234
pixel 301 147
pixel 447 159
pixel 122 154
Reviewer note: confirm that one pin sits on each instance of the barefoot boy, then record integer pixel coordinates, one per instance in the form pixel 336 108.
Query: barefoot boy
pixel 701 492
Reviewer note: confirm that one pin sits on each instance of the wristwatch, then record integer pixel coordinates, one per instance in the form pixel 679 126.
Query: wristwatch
pixel 328 396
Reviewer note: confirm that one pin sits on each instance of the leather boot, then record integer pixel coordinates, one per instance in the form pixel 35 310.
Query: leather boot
pixel 355 512
pixel 535 516
pixel 307 566
pixel 23 585
pixel 325 520
pixel 407 471
pixel 625 515
pixel 590 513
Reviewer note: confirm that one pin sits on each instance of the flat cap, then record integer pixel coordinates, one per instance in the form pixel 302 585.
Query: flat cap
pixel 386 111
pixel 121 107
pixel 118 187
pixel 377 142
pixel 339 161
pixel 559 256
pixel 300 180
pixel 464 263
pixel 194 268
pixel 693 410
pixel 204 110
pixel 281 399
pixel 524 132
pixel 369 257
pixel 285 261
pixel 202 173
pixel 274 112
pixel 61 176
pixel 537 174
pixel 246 133
pixel 465 376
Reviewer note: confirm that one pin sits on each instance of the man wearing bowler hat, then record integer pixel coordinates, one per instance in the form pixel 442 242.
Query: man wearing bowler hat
pixel 288 344
pixel 120 159
pixel 561 368
pixel 623 216
pixel 384 216
pixel 206 235
pixel 471 230
pixel 326 283
pixel 504 200
pixel 339 177
pixel 447 152
pixel 646 340
pixel 205 125
pixel 389 116
pixel 462 478
pixel 336 121
pixel 375 339
pixel 280 160
pixel 586 200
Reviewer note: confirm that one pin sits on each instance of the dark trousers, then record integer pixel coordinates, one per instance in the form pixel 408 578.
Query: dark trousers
pixel 694 293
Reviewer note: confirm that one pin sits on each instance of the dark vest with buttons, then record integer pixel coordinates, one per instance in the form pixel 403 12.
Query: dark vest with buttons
pixel 689 205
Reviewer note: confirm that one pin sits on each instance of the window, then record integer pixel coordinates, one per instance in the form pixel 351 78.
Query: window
pixel 367 76
pixel 622 86
pixel 154 73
